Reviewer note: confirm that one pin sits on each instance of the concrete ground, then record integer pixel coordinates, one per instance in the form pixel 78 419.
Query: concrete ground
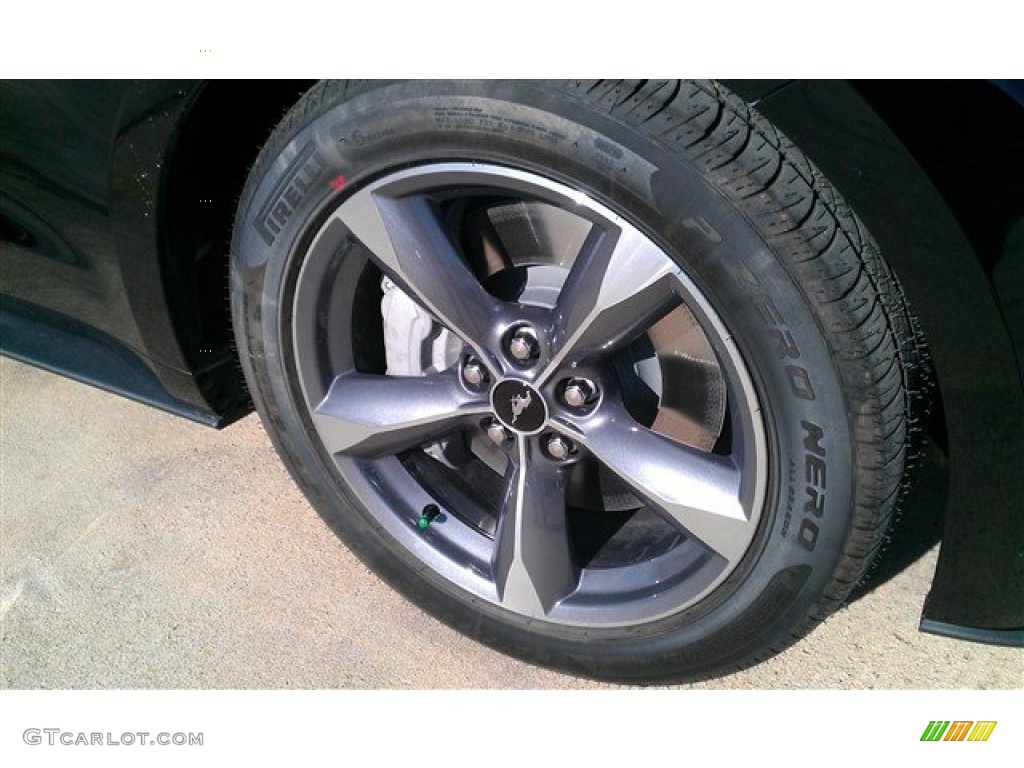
pixel 140 550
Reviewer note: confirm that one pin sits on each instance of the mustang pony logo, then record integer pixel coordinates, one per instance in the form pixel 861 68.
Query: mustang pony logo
pixel 519 404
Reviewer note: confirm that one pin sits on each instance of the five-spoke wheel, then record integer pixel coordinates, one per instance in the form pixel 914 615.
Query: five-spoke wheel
pixel 569 381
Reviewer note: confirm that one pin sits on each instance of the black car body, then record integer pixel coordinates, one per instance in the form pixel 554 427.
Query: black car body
pixel 117 197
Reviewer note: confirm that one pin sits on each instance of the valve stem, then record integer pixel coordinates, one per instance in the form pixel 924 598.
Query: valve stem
pixel 430 513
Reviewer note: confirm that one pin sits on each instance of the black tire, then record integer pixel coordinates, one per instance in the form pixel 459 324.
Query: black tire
pixel 819 328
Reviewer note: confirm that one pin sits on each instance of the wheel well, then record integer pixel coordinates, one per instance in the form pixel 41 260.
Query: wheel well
pixel 215 146
pixel 968 137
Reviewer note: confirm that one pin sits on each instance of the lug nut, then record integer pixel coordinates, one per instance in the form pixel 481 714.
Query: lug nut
pixel 473 373
pixel 558 448
pixel 498 434
pixel 523 344
pixel 579 393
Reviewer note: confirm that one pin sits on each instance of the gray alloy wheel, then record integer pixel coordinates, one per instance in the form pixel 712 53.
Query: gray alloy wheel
pixel 532 454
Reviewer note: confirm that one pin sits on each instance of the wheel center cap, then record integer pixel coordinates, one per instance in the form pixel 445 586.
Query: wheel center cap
pixel 519 406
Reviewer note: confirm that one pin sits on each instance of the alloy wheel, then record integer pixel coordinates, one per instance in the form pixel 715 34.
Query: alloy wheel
pixel 528 394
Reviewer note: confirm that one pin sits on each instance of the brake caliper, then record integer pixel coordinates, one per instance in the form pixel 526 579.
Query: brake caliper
pixel 413 343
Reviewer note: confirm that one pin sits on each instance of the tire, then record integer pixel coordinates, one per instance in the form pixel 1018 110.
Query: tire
pixel 603 374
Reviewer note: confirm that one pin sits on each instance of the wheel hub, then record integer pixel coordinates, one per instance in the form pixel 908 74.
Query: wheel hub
pixel 519 406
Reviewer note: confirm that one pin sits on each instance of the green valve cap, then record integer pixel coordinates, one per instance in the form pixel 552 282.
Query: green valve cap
pixel 430 512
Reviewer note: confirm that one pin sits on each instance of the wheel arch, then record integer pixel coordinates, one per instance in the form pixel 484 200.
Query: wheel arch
pixel 216 142
pixel 903 165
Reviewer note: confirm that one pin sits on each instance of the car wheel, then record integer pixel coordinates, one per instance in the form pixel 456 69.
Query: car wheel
pixel 602 374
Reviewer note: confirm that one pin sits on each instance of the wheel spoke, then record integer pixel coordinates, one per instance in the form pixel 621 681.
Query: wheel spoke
pixel 533 563
pixel 698 491
pixel 409 242
pixel 620 283
pixel 371 416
